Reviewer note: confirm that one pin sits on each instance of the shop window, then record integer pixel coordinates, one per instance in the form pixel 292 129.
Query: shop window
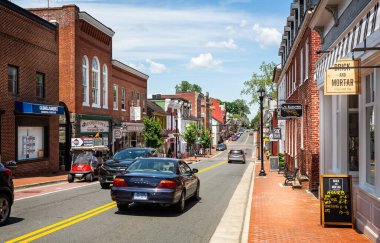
pixel 95 83
pixel 12 79
pixel 105 86
pixel 353 133
pixel 85 81
pixel 115 98
pixel 123 99
pixel 31 142
pixel 370 129
pixel 40 85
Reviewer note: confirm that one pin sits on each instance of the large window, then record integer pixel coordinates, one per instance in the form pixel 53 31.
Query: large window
pixel 95 82
pixel 105 86
pixel 12 79
pixel 115 98
pixel 31 143
pixel 40 85
pixel 307 60
pixel 370 129
pixel 143 98
pixel 353 133
pixel 133 98
pixel 138 99
pixel 85 81
pixel 123 98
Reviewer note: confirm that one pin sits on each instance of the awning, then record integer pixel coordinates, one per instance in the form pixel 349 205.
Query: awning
pixel 35 108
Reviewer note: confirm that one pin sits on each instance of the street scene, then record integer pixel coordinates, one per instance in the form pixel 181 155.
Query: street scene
pixel 189 121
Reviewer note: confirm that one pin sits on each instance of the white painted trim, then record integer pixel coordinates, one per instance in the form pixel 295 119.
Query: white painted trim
pixel 127 68
pixel 94 22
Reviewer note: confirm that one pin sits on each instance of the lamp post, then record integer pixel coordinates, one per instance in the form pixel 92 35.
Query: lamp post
pixel 261 92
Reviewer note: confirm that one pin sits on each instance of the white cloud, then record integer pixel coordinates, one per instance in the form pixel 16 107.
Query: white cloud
pixel 266 36
pixel 243 23
pixel 230 44
pixel 204 61
pixel 230 30
pixel 156 67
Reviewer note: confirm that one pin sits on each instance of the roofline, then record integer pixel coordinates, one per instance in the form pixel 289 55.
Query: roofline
pixel 127 68
pixel 96 23
pixel 28 14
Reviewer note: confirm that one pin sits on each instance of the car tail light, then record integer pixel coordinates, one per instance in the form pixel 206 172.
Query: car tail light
pixel 241 152
pixel 8 171
pixel 119 182
pixel 167 184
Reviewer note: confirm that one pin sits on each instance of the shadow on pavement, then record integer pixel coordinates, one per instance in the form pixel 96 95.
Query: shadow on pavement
pixel 13 220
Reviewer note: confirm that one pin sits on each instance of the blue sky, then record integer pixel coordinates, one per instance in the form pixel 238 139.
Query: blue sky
pixel 216 44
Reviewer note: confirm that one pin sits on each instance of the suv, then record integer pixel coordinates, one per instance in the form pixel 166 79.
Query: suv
pixel 120 162
pixel 236 155
pixel 6 193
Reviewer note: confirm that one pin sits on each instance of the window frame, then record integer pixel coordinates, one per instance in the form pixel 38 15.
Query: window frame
pixel 115 98
pixel 15 83
pixel 95 88
pixel 105 86
pixel 85 82
pixel 123 97
pixel 42 87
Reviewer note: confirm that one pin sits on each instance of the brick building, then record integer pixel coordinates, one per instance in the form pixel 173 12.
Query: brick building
pixel 296 85
pixel 29 90
pixel 98 92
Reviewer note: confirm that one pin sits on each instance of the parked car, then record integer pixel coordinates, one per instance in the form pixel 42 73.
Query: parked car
pixel 162 181
pixel 234 138
pixel 221 147
pixel 120 162
pixel 6 193
pixel 236 155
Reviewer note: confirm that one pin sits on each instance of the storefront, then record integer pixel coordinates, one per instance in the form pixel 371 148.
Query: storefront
pixel 132 134
pixel 350 108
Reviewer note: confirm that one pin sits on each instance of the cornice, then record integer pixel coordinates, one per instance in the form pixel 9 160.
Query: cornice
pixel 129 69
pixel 94 22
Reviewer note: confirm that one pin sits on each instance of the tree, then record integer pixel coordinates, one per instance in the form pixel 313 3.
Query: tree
pixel 205 138
pixel 185 86
pixel 261 80
pixel 190 135
pixel 152 133
pixel 255 122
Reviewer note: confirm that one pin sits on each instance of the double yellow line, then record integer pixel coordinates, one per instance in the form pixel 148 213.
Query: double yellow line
pixel 77 218
pixel 62 224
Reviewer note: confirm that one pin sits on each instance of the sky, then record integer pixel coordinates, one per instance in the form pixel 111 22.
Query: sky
pixel 216 44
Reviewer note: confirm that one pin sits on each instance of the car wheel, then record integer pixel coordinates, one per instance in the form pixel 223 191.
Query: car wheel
pixel 5 208
pixel 122 206
pixel 104 185
pixel 89 177
pixel 180 205
pixel 196 196
pixel 70 178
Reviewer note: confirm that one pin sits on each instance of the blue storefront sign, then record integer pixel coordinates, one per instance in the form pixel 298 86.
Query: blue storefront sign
pixel 34 108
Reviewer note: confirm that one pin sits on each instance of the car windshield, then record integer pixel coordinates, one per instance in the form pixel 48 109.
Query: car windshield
pixel 152 166
pixel 82 157
pixel 220 145
pixel 129 154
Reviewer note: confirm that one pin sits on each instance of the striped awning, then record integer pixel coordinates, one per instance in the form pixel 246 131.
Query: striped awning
pixel 366 26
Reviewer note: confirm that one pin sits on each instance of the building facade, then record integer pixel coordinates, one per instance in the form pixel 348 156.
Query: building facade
pixel 29 94
pixel 297 86
pixel 349 129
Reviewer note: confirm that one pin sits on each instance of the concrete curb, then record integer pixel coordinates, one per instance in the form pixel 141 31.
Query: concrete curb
pixel 231 226
pixel 17 188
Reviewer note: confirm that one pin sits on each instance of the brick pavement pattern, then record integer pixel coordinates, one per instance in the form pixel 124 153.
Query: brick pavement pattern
pixel 281 214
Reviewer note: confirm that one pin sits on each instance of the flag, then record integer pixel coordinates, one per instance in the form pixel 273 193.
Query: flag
pixel 97 135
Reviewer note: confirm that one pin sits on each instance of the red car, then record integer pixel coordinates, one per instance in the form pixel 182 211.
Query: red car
pixel 234 138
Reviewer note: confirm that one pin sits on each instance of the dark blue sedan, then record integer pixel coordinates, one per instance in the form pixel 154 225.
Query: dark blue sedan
pixel 156 181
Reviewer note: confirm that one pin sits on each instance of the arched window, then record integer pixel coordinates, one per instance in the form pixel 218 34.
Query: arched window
pixel 85 81
pixel 95 82
pixel 105 86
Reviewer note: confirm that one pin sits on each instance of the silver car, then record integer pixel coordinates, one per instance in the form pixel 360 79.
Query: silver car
pixel 236 155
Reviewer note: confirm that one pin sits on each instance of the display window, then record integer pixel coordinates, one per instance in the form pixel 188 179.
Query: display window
pixel 31 143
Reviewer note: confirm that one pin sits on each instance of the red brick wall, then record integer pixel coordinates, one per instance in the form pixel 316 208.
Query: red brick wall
pixel 306 93
pixel 33 48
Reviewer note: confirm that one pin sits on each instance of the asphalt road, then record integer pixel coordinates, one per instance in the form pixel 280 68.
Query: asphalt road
pixel 65 216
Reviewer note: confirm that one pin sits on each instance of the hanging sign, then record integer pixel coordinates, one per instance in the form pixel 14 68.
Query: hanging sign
pixel 343 78
pixel 276 133
pixel 291 111
pixel 135 113
pixel 336 200
pixel 94 126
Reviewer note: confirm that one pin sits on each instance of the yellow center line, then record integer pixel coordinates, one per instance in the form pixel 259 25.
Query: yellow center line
pixel 78 218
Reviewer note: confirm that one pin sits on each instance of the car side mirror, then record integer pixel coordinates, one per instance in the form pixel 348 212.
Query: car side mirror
pixel 194 171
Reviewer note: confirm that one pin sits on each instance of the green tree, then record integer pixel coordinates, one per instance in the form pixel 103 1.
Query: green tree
pixel 261 80
pixel 237 107
pixel 205 138
pixel 196 88
pixel 255 122
pixel 152 133
pixel 185 86
pixel 190 135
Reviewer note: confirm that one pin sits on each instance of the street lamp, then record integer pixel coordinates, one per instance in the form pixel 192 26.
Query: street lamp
pixel 261 92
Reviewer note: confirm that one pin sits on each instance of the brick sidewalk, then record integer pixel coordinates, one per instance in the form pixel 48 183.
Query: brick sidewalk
pixel 280 214
pixel 39 180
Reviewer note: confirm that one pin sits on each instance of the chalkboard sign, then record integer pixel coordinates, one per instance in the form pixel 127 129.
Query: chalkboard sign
pixel 273 162
pixel 336 200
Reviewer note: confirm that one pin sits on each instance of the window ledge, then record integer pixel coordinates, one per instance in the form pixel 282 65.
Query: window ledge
pixel 123 110
pixel 115 109
pixel 95 106
pixel 85 104
pixel 105 107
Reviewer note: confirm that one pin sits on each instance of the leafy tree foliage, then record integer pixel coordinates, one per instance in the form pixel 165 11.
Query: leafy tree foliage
pixel 255 121
pixel 237 107
pixel 152 132
pixel 261 80
pixel 190 134
pixel 205 138
pixel 185 86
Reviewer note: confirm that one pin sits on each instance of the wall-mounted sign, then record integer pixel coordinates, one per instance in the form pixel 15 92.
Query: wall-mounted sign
pixel 34 108
pixel 343 78
pixel 76 142
pixel 290 111
pixel 94 126
pixel 117 133
pixel 135 113
pixel 276 133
